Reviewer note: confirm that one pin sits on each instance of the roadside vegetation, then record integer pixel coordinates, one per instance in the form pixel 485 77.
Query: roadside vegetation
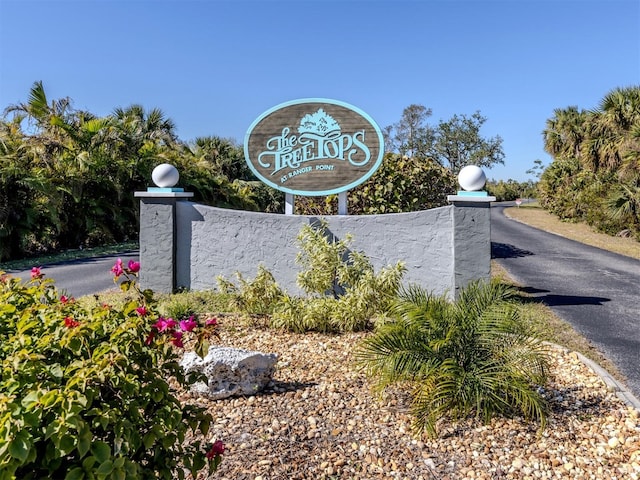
pixel 595 173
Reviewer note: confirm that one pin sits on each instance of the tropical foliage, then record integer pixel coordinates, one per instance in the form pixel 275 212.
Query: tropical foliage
pixel 89 392
pixel 472 356
pixel 595 174
pixel 67 177
pixel 401 184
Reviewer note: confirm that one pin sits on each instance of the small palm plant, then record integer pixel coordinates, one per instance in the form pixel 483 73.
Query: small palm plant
pixel 474 355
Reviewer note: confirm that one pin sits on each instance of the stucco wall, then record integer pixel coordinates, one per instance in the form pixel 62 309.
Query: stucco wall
pixel 212 241
pixel 185 244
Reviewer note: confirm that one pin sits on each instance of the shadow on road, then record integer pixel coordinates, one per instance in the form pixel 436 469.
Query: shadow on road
pixel 558 300
pixel 504 250
pixel 553 300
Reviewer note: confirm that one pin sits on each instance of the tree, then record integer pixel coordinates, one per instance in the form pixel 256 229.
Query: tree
pixel 458 143
pixel 453 144
pixel 537 169
pixel 411 136
pixel 594 174
pixel 565 132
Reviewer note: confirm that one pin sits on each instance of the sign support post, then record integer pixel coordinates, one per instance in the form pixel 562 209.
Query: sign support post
pixel 342 203
pixel 288 203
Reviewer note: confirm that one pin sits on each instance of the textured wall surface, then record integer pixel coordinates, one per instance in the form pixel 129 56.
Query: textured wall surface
pixel 213 241
pixel 471 242
pixel 157 243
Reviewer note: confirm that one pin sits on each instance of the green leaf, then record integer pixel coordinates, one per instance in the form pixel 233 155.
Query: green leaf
pixel 101 450
pixel 75 474
pixel 20 446
pixel 149 439
pixel 30 399
pixel 84 440
pixel 105 468
pixel 67 444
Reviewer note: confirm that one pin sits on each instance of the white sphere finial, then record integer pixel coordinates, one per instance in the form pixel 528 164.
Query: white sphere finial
pixel 471 178
pixel 165 175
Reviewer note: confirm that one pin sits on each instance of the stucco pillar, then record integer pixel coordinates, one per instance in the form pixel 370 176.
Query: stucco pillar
pixel 158 239
pixel 471 238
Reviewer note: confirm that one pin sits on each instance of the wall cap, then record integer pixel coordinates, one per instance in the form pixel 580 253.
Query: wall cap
pixel 164 194
pixel 469 198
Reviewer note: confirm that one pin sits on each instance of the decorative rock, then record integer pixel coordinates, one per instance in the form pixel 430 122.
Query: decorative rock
pixel 230 371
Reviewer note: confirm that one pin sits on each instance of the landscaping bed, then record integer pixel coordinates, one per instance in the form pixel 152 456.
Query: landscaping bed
pixel 319 420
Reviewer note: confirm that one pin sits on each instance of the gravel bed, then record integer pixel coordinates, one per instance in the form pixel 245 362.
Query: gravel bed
pixel 319 420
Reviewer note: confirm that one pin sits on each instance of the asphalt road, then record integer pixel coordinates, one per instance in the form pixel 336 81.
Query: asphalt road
pixel 596 291
pixel 77 278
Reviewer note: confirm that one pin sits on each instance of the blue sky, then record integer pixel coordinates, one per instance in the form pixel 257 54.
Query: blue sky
pixel 214 66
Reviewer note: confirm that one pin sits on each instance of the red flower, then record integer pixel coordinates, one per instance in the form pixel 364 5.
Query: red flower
pixel 134 267
pixel 117 268
pixel 142 311
pixel 64 299
pixel 216 449
pixel 150 338
pixel 71 323
pixel 177 339
pixel 188 325
pixel 36 273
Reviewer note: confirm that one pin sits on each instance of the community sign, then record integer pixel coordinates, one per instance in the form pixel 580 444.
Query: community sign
pixel 314 147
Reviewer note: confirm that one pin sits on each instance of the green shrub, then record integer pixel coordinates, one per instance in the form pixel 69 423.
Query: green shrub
pixel 343 291
pixel 345 294
pixel 85 393
pixel 472 355
pixel 258 296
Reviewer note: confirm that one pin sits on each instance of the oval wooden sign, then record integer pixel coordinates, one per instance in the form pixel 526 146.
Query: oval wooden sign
pixel 314 147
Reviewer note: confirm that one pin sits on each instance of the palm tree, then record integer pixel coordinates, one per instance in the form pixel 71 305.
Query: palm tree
pixel 610 127
pixel 565 132
pixel 475 355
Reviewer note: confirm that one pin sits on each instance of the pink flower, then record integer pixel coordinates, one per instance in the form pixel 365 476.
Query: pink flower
pixel 177 338
pixel 36 273
pixel 211 321
pixel 64 299
pixel 117 268
pixel 188 325
pixel 216 449
pixel 142 311
pixel 164 324
pixel 70 322
pixel 134 267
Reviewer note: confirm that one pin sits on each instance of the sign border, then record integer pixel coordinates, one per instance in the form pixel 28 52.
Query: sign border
pixel 306 193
